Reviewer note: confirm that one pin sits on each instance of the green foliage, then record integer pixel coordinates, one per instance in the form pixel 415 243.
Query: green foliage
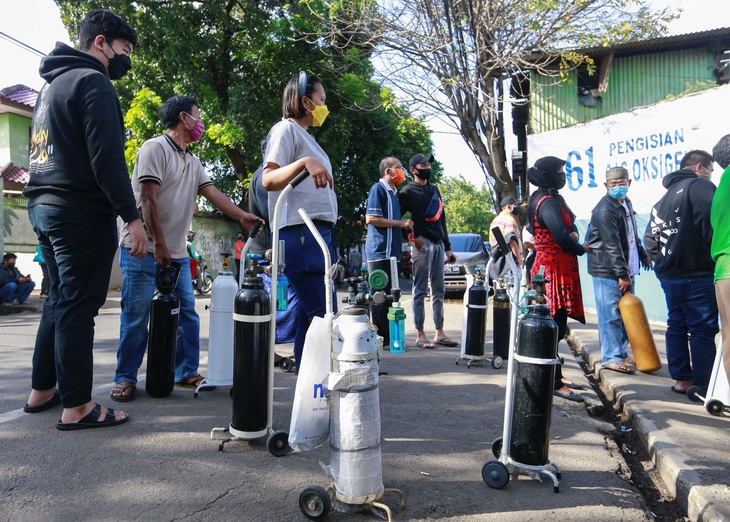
pixel 698 86
pixel 466 207
pixel 140 123
pixel 235 59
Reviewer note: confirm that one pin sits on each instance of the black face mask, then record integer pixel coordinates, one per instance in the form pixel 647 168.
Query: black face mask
pixel 515 211
pixel 119 65
pixel 424 174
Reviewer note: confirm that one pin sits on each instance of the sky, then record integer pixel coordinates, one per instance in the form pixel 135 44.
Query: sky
pixel 37 23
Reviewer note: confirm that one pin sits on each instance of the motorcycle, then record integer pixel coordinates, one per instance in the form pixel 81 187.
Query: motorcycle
pixel 202 279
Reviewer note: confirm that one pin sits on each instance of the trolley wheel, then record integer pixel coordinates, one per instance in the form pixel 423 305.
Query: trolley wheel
pixel 695 394
pixel 556 489
pixel 468 364
pixel 286 364
pixel 497 447
pixel 495 474
pixel 497 362
pixel 315 503
pixel 278 443
pixel 715 407
pixel 230 393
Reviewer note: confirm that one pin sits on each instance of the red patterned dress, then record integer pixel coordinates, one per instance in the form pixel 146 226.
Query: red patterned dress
pixel 561 268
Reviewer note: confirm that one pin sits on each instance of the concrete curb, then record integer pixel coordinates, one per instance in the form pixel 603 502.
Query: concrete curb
pixel 681 479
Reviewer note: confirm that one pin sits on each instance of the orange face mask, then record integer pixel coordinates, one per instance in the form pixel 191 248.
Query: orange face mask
pixel 399 176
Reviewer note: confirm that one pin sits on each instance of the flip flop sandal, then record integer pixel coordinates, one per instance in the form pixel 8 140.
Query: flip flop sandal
pixel 92 420
pixel 123 387
pixel 618 366
pixel 425 344
pixel 50 403
pixel 445 341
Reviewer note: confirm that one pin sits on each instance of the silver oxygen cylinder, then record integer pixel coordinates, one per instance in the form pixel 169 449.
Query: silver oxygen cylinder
pixel 355 466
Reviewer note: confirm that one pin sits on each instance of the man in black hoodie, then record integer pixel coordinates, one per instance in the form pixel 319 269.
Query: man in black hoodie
pixel 432 247
pixel 678 239
pixel 78 185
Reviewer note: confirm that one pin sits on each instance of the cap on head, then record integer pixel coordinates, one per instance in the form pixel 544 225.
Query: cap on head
pixel 191 233
pixel 507 200
pixel 616 173
pixel 418 159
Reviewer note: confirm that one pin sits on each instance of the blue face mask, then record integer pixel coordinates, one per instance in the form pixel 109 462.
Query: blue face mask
pixel 618 192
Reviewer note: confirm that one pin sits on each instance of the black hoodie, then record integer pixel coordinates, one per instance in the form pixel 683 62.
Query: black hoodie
pixel 679 233
pixel 77 146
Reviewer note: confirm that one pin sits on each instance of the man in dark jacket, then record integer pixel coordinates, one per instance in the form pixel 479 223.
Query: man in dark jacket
pixel 78 185
pixel 432 247
pixel 678 239
pixel 614 255
pixel 13 284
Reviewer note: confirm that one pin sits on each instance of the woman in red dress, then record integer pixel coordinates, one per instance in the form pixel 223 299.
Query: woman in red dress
pixel 557 249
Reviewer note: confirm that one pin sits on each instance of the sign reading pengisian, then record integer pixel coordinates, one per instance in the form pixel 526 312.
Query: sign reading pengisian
pixel 649 142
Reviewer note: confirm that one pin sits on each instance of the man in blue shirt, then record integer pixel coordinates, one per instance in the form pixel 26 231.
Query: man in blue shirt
pixel 384 236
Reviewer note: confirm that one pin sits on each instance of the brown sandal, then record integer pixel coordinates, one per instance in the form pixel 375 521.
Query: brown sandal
pixel 191 382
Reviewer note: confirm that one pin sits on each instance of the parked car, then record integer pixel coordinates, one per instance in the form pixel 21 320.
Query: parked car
pixel 471 253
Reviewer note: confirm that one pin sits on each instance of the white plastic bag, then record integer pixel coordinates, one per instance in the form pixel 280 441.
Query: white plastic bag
pixel 310 416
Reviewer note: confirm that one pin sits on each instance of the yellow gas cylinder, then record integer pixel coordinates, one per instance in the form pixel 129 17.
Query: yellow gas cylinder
pixel 639 333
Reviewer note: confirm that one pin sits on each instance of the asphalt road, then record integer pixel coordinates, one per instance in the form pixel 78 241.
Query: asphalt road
pixel 438 424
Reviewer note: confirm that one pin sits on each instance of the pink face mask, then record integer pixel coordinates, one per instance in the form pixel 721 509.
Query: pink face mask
pixel 197 131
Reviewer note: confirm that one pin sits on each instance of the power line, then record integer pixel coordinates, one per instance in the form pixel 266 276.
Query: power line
pixel 21 44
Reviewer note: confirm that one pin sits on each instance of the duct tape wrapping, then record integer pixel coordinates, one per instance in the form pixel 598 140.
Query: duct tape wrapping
pixel 356 466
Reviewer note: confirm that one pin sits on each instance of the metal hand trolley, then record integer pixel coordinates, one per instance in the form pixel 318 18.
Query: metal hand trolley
pixel 355 465
pixel 496 473
pixel 717 398
pixel 262 327
pixel 474 322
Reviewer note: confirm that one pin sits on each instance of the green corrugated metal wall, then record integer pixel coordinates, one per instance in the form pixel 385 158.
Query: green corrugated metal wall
pixel 635 81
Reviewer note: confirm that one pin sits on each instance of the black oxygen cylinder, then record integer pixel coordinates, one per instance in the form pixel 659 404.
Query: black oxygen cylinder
pixel 251 317
pixel 162 339
pixel 533 388
pixel 476 319
pixel 500 321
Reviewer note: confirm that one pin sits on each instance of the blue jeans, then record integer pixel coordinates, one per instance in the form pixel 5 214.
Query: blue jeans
pixel 305 272
pixel 78 247
pixel 428 264
pixel 19 291
pixel 611 332
pixel 691 327
pixel 138 288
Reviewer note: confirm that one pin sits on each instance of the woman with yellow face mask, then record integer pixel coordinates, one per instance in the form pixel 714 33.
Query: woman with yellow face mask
pixel 289 150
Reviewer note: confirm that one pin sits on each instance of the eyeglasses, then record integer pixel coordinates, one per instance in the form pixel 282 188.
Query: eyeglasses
pixel 618 183
pixel 191 116
pixel 398 167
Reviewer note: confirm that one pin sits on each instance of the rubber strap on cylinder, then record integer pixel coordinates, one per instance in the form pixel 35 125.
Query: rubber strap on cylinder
pixel 252 318
pixel 535 360
pixel 354 357
pixel 478 307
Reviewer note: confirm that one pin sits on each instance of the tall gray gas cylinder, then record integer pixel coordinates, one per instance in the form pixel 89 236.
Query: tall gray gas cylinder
pixel 220 338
